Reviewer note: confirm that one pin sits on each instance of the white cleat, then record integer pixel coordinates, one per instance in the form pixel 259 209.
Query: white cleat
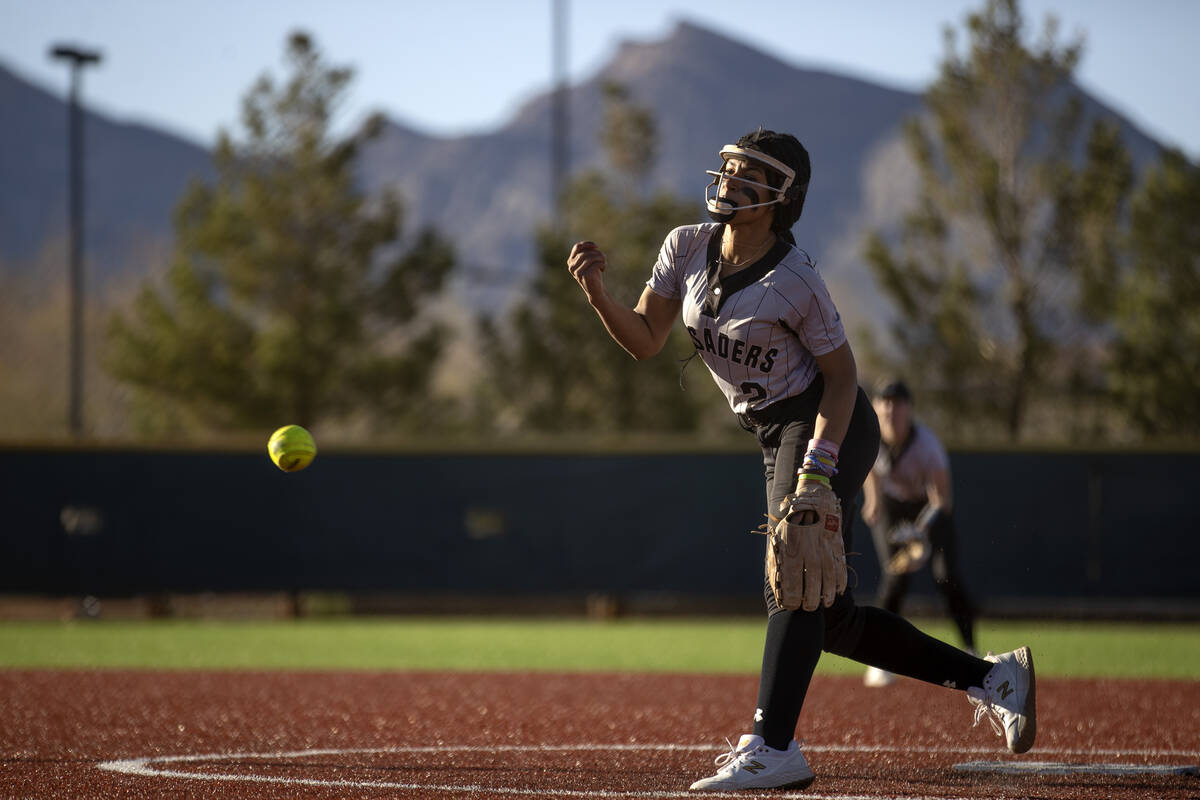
pixel 877 678
pixel 1007 698
pixel 753 765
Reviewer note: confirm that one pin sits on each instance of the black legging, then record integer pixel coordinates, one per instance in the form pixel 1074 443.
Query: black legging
pixel 795 638
pixel 943 563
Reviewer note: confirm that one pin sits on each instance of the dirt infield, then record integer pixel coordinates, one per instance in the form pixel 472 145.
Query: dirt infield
pixel 261 736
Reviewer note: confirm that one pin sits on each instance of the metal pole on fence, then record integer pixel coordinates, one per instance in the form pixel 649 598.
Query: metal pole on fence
pixel 77 58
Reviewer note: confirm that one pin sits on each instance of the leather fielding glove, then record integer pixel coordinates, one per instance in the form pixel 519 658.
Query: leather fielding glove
pixel 806 558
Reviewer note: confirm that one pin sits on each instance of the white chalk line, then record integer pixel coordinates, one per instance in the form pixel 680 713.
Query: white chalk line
pixel 1058 768
pixel 143 767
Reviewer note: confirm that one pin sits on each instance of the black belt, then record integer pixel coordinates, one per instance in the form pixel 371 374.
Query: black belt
pixel 798 406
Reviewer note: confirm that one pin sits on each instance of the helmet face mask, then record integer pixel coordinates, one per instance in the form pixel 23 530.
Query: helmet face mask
pixel 722 210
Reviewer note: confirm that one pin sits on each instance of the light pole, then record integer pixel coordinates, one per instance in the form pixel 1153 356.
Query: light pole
pixel 78 59
pixel 559 155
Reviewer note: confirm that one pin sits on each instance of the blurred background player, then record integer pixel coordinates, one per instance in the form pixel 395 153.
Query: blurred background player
pixel 908 506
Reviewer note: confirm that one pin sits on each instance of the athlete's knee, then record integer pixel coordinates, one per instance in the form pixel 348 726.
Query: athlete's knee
pixel 844 622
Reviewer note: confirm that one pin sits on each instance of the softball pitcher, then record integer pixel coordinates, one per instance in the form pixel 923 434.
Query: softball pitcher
pixel 762 321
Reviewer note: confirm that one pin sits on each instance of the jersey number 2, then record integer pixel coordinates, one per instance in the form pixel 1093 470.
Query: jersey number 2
pixel 753 391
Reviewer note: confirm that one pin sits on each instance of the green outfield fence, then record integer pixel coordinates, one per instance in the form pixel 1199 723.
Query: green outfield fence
pixel 1042 534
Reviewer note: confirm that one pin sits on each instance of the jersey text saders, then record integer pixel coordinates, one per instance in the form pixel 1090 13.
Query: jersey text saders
pixel 757 330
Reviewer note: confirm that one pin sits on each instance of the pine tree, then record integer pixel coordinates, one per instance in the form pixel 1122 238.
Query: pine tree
pixel 289 298
pixel 1155 369
pixel 552 366
pixel 989 269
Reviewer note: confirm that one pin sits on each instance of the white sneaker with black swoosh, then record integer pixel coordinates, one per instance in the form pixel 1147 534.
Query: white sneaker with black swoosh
pixel 1007 698
pixel 753 765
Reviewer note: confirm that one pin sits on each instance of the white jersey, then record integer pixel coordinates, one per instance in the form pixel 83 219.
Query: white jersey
pixel 757 330
pixel 907 470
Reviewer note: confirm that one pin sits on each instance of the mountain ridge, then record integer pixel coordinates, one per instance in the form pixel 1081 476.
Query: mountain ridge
pixel 133 175
pixel 488 190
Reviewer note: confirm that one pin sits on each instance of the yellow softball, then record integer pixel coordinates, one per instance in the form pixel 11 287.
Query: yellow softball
pixel 291 448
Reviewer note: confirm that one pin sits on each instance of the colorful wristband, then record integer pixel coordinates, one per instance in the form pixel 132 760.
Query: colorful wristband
pixel 816 460
pixel 824 444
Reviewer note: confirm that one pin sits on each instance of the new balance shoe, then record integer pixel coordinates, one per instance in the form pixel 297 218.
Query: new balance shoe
pixel 877 678
pixel 753 765
pixel 1007 698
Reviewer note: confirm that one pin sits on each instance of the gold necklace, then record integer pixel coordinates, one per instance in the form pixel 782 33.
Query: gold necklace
pixel 762 248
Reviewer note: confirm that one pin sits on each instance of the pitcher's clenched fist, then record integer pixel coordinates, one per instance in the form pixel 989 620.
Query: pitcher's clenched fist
pixel 586 263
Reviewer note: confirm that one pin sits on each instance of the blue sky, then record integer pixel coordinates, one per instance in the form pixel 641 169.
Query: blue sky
pixel 456 66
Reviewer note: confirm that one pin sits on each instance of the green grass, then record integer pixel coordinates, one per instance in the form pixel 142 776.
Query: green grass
pixel 701 645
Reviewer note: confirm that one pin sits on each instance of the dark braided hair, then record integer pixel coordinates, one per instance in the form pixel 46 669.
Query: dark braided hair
pixel 786 148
